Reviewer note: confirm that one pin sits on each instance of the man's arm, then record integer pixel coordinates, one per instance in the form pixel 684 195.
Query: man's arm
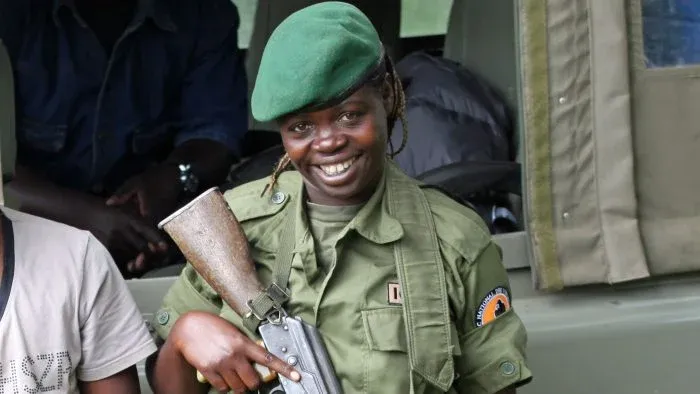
pixel 113 333
pixel 40 197
pixel 123 232
pixel 213 110
pixel 214 95
pixel 124 382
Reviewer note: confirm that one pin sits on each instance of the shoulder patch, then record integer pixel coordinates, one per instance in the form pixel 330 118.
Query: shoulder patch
pixel 496 303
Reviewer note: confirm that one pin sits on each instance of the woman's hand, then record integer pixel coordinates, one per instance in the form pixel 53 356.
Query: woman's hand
pixel 223 354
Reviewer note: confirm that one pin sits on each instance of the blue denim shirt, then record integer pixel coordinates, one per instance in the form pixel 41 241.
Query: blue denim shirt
pixel 88 119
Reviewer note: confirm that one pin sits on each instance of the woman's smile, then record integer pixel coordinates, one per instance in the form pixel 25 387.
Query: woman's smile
pixel 336 169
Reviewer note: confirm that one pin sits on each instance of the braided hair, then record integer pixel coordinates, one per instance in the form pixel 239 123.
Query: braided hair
pixel 398 111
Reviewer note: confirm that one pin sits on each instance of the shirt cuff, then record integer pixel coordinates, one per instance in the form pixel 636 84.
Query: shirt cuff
pixel 231 139
pixel 500 374
pixel 180 298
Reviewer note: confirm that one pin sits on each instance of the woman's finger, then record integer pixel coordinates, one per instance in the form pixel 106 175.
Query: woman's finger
pixel 248 375
pixel 233 381
pixel 216 381
pixel 263 357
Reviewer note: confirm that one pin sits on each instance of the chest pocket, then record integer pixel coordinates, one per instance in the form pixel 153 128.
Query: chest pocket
pixel 386 356
pixel 41 137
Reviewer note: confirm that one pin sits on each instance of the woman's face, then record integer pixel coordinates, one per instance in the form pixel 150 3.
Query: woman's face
pixel 339 151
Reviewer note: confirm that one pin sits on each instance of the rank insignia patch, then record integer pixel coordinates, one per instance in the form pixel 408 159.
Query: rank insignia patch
pixel 394 294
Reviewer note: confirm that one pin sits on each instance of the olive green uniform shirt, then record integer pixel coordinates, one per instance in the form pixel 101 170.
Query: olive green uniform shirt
pixel 346 291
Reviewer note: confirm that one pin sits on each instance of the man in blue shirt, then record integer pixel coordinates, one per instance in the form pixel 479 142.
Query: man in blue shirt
pixel 125 108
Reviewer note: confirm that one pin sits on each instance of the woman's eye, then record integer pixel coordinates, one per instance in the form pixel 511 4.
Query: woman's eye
pixel 300 127
pixel 349 117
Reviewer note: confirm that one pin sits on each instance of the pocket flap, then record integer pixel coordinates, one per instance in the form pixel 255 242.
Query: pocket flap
pixel 385 329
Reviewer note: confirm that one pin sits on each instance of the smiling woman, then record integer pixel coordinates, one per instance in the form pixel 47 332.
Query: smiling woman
pixel 335 131
pixel 340 150
pixel 405 285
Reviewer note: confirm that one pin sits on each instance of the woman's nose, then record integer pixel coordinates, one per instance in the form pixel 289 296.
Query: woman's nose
pixel 329 140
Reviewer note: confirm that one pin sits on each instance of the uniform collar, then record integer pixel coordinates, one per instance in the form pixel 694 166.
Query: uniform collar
pixel 373 221
pixel 154 9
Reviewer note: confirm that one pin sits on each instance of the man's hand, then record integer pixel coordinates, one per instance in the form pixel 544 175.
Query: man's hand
pixel 155 192
pixel 121 229
pixel 128 236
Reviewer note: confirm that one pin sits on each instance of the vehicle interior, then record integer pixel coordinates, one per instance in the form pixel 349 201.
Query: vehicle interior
pixel 632 337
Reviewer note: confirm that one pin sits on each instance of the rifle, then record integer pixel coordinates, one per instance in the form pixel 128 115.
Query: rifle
pixel 212 240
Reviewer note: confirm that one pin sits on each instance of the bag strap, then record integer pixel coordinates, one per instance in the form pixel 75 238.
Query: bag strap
pixel 421 274
pixel 269 303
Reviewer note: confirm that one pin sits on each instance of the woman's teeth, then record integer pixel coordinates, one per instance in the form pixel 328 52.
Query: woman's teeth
pixel 337 169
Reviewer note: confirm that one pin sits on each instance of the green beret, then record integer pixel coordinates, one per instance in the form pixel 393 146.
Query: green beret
pixel 316 55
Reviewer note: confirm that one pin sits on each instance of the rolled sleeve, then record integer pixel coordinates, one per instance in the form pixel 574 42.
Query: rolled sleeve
pixel 494 357
pixel 214 96
pixel 189 293
pixel 493 339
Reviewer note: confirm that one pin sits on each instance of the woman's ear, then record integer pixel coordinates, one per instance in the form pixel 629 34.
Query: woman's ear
pixel 388 96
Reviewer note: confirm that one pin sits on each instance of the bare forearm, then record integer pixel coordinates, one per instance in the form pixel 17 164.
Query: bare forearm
pixel 125 382
pixel 170 373
pixel 40 197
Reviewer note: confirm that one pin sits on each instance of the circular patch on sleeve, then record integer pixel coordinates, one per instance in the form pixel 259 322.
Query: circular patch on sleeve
pixel 496 303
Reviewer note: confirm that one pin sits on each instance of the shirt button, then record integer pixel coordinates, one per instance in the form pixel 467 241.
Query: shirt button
pixel 163 317
pixel 278 198
pixel 507 368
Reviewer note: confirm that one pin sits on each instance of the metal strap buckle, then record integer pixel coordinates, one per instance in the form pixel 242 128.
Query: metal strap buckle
pixel 268 304
pixel 277 294
pixel 252 312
